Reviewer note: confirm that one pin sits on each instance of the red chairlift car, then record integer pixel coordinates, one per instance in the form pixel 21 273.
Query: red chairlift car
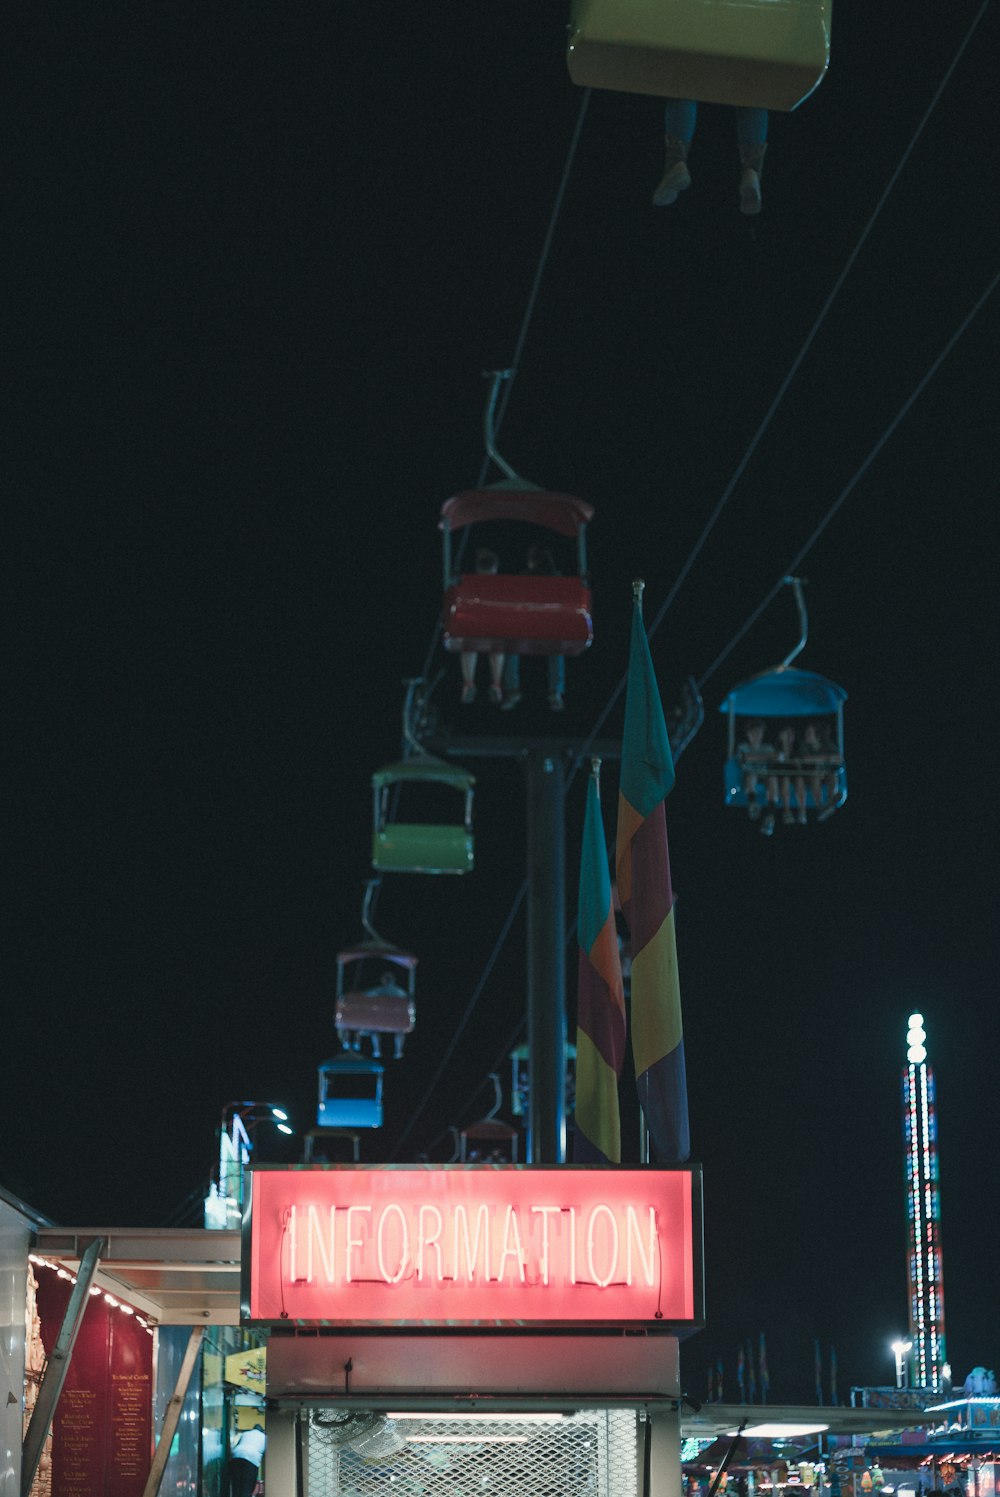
pixel 506 612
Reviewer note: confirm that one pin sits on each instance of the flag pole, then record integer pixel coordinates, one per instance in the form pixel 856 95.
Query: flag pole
pixel 638 588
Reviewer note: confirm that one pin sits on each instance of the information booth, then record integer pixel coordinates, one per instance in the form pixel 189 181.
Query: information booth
pixel 459 1328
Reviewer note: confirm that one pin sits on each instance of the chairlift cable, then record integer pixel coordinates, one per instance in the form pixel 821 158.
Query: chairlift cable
pixel 733 481
pixel 772 409
pixel 852 483
pixel 496 420
pixel 466 1016
pixel 751 619
pixel 522 336
pixel 817 324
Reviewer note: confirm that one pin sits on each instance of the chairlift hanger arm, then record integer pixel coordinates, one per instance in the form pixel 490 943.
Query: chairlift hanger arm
pixel 496 378
pixel 795 583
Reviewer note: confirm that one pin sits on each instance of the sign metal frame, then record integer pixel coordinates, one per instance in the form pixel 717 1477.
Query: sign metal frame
pixel 603 1304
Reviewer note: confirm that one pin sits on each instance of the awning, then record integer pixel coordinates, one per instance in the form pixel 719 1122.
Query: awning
pixel 172 1276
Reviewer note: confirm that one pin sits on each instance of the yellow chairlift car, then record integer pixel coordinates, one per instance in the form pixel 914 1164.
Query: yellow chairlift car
pixel 767 54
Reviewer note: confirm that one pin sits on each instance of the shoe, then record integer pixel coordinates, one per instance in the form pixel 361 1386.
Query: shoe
pixel 752 165
pixel 802 818
pixel 676 177
pixel 496 695
pixel 750 198
pixel 753 810
pixel 510 700
pixel 468 692
pixel 767 826
pixel 556 701
pixel 788 818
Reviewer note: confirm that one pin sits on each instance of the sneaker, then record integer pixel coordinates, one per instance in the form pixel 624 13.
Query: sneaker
pixel 767 826
pixel 468 692
pixel 496 694
pixel 674 180
pixel 556 701
pixel 750 199
pixel 510 700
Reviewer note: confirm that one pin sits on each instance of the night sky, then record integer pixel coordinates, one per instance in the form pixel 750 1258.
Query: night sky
pixel 259 257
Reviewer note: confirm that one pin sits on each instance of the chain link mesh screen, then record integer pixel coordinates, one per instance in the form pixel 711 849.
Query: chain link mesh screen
pixel 588 1454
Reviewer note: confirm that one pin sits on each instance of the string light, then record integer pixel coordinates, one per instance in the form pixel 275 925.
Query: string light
pixel 95 1290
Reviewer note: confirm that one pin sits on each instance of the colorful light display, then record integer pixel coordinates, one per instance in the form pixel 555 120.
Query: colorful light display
pixel 923 1209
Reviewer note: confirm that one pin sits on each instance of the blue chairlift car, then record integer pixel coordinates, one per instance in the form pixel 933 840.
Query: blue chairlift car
pixel 786 740
pixel 350 1093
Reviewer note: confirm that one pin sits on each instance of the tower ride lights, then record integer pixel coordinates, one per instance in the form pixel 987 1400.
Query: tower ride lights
pixel 923 1210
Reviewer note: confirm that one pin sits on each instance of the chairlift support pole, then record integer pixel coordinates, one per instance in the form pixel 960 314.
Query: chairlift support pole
pixel 545 761
pixel 546 782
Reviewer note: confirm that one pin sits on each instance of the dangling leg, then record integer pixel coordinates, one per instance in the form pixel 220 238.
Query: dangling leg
pixel 496 677
pixel 511 682
pixel 751 136
pixel 681 117
pixel 556 670
pixel 468 659
pixel 800 796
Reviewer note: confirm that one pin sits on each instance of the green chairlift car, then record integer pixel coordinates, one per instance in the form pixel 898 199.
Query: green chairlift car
pixel 407 846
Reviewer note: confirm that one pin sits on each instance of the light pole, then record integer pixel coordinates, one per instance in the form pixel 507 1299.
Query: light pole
pixel 901 1349
pixel 237 1139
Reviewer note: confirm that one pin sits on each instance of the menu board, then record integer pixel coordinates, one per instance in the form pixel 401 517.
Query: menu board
pixel 103 1427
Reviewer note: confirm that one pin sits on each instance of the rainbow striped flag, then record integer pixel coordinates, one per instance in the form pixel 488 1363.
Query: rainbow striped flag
pixel 600 1002
pixel 647 901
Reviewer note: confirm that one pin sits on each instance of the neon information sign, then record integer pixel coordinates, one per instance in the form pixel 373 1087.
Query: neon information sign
pixel 474 1246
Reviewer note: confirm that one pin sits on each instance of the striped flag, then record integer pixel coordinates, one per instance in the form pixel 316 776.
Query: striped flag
pixel 647 901
pixel 600 1002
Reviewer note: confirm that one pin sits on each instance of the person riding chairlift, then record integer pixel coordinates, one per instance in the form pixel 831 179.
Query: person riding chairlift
pixel 487 563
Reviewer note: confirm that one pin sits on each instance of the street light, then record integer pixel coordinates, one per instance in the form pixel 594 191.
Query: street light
pixel 901 1348
pixel 237 1139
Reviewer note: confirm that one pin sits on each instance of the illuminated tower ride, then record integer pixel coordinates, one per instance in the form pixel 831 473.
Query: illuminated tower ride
pixel 923 1210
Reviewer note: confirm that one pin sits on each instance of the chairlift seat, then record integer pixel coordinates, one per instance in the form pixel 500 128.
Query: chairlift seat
pixel 768 54
pixel 491 1136
pixel 375 1012
pixel 518 615
pixel 736 769
pixel 422 847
